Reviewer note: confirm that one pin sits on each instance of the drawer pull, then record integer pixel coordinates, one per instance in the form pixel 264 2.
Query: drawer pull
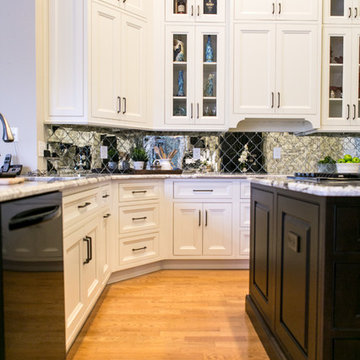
pixel 203 191
pixel 139 249
pixel 84 206
pixel 140 192
pixel 140 218
pixel 106 216
pixel 106 196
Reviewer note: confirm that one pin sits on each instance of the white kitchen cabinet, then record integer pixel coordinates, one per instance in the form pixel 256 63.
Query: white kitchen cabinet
pixel 102 80
pixel 275 67
pixel 118 66
pixel 187 229
pixel 81 276
pixel 344 12
pixel 196 11
pixel 195 78
pixel 203 229
pixel 304 10
pixel 106 60
pixel 341 71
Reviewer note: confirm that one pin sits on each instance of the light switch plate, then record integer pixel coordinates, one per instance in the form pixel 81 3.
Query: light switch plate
pixel 277 153
pixel 103 152
pixel 42 147
pixel 196 154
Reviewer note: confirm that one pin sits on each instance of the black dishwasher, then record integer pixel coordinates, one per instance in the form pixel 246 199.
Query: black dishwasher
pixel 32 301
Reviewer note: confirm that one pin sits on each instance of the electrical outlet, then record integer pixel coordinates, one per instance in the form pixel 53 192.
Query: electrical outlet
pixel 196 154
pixel 277 153
pixel 103 152
pixel 41 148
pixel 15 132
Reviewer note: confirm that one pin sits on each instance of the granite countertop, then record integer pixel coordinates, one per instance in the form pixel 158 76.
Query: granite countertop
pixel 49 184
pixel 282 182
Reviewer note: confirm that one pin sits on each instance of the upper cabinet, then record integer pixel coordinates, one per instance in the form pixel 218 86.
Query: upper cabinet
pixel 101 77
pixel 342 12
pixel 303 10
pixel 341 73
pixel 195 10
pixel 195 68
pixel 275 70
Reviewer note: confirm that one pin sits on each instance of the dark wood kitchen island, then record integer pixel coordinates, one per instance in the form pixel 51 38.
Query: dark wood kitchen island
pixel 304 297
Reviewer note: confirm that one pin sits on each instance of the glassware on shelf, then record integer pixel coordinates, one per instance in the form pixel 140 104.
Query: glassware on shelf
pixel 179 50
pixel 180 6
pixel 209 89
pixel 209 53
pixel 337 8
pixel 210 7
pixel 180 91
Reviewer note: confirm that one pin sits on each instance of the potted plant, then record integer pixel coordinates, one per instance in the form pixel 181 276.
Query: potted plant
pixel 139 157
pixel 113 157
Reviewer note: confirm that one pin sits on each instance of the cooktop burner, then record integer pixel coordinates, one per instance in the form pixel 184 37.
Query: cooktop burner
pixel 326 177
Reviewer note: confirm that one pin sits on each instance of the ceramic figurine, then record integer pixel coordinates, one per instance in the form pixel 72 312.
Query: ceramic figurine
pixel 181 84
pixel 209 54
pixel 179 50
pixel 209 91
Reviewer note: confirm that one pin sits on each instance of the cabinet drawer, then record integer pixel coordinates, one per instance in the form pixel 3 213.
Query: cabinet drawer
pixel 139 191
pixel 203 189
pixel 245 213
pixel 105 196
pixel 139 248
pixel 78 207
pixel 245 190
pixel 138 218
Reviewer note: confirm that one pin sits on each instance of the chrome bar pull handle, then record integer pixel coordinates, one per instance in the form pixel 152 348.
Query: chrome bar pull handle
pixel 280 8
pixel 354 112
pixel 206 218
pixel 350 12
pixel 272 100
pixel 273 8
pixel 125 105
pixel 199 217
pixel 192 110
pixel 119 105
pixel 348 112
pixel 279 100
pixel 356 13
pixel 197 110
pixel 198 10
pixel 192 10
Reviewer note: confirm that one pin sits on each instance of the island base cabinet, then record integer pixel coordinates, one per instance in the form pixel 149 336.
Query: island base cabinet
pixel 296 294
pixel 262 252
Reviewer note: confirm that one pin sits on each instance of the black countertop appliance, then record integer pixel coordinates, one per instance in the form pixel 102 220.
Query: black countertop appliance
pixel 32 322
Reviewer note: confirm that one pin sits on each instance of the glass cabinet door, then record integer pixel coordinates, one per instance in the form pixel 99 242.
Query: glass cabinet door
pixel 356 78
pixel 341 11
pixel 180 10
pixel 210 77
pixel 179 71
pixel 210 10
pixel 337 98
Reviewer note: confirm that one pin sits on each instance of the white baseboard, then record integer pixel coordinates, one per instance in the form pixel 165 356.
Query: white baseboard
pixel 178 265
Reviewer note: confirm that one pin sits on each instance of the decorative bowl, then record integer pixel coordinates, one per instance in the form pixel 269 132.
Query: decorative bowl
pixel 348 168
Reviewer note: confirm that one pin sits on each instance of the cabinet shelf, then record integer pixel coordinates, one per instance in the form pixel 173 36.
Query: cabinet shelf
pixel 180 62
pixel 336 65
pixel 179 97
pixel 209 97
pixel 210 63
pixel 336 99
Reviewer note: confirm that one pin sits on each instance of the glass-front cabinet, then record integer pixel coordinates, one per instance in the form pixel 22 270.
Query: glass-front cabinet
pixel 341 93
pixel 195 10
pixel 195 82
pixel 342 12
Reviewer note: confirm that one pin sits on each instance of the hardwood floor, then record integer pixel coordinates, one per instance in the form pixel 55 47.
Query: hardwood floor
pixel 172 315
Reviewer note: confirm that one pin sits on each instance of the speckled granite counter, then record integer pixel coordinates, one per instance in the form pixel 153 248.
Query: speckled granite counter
pixel 283 182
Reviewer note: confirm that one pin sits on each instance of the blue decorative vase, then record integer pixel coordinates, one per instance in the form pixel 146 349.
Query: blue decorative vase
pixel 209 90
pixel 181 84
pixel 209 54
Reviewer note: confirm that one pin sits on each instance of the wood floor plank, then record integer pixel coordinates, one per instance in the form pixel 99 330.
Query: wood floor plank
pixel 172 315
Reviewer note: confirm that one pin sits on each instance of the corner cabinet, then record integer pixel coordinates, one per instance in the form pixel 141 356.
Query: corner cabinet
pixel 102 80
pixel 195 75
pixel 341 72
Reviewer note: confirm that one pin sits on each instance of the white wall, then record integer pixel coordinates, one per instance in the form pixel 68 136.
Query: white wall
pixel 18 101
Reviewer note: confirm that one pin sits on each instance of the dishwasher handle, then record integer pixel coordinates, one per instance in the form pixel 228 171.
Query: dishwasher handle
pixel 34 217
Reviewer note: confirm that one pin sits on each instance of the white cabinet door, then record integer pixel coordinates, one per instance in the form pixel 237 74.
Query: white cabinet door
pixel 297 70
pixel 180 76
pixel 105 62
pixel 355 78
pixel 337 76
pixel 298 10
pixel 254 68
pixel 66 72
pixel 90 278
pixel 210 10
pixel 133 69
pixel 254 9
pixel 183 13
pixel 103 246
pixel 217 237
pixel 187 229
pixel 210 102
pixel 137 7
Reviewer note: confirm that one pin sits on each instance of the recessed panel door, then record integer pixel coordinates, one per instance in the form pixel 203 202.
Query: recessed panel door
pixel 255 10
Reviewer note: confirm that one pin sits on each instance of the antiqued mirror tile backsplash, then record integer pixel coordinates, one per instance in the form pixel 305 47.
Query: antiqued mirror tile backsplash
pixel 85 149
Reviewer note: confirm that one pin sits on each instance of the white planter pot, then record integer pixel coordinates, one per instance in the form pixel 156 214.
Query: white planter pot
pixel 139 165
